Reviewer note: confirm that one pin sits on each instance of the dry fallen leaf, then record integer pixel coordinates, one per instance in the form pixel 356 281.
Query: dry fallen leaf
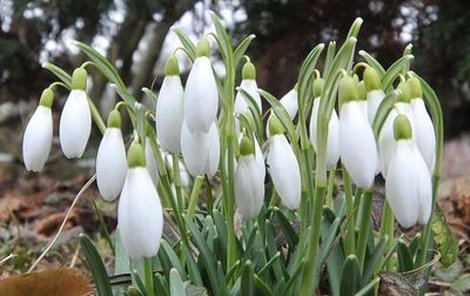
pixel 52 282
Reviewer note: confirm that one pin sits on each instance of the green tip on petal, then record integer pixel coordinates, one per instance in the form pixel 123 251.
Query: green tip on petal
pixel 203 48
pixel 415 87
pixel 371 79
pixel 402 128
pixel 348 90
pixel 136 156
pixel 275 125
pixel 246 147
pixel 47 98
pixel 318 85
pixel 79 79
pixel 405 95
pixel 361 90
pixel 172 67
pixel 249 71
pixel 114 119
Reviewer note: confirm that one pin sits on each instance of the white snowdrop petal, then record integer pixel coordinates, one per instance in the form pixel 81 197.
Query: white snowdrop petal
pixel 357 145
pixel 75 124
pixel 150 161
pixel 169 114
pixel 201 151
pixel 200 98
pixel 37 139
pixel 374 98
pixel 289 101
pixel 249 186
pixel 425 135
pixel 251 87
pixel 284 171
pixel 111 164
pixel 140 216
pixel 425 188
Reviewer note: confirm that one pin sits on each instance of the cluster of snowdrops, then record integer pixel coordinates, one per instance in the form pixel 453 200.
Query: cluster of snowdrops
pixel 195 121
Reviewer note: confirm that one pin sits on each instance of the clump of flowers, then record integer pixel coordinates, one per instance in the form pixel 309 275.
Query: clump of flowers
pixel 357 118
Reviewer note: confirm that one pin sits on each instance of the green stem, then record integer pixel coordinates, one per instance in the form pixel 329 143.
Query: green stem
pixel 195 195
pixel 330 188
pixel 148 276
pixel 308 283
pixel 386 229
pixel 210 198
pixel 231 238
pixel 350 240
pixel 177 180
pixel 95 114
pixel 364 226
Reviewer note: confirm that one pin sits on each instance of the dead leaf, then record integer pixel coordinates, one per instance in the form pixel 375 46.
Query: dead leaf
pixel 52 282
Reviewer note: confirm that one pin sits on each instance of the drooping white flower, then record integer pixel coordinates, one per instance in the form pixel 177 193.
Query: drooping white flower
pixel 151 163
pixel 386 140
pixel 289 102
pixel 249 179
pixel 169 111
pixel 408 186
pixel 111 163
pixel 332 144
pixel 375 94
pixel 140 215
pixel 283 166
pixel 201 151
pixel 250 86
pixel 201 98
pixel 423 127
pixel 356 138
pixel 75 120
pixel 37 139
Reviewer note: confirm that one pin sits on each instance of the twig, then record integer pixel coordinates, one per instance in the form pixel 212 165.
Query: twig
pixel 75 257
pixel 7 258
pixel 61 228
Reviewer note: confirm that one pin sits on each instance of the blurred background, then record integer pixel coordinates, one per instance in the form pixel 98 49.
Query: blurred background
pixel 135 36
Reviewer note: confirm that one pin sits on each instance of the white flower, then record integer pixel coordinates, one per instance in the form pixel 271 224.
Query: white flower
pixel 140 216
pixel 408 185
pixel 169 114
pixel 201 99
pixel 249 183
pixel 75 124
pixel 386 141
pixel 424 133
pixel 250 86
pixel 284 171
pixel 374 98
pixel 289 102
pixel 332 150
pixel 111 164
pixel 37 139
pixel 151 163
pixel 201 151
pixel 357 144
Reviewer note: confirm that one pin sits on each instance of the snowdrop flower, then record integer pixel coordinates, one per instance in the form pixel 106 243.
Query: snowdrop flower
pixel 423 128
pixel 356 138
pixel 249 85
pixel 332 144
pixel 201 151
pixel 361 90
pixel 169 111
pixel 386 138
pixel 408 186
pixel 249 179
pixel 201 98
pixel 290 103
pixel 283 166
pixel 151 163
pixel 140 215
pixel 111 163
pixel 37 138
pixel 75 121
pixel 375 94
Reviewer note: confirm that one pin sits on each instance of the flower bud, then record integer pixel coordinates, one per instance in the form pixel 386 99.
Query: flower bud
pixel 248 71
pixel 79 79
pixel 249 84
pixel 347 90
pixel 371 79
pixel 318 85
pixel 275 125
pixel 405 92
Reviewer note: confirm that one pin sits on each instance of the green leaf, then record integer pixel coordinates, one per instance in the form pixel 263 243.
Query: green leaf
pixel 373 62
pixel 350 276
pixel 355 28
pixel 289 232
pixel 150 94
pixel 241 49
pixel 96 266
pixel 330 55
pixel 247 287
pixel 450 273
pixel 462 284
pixel 222 35
pixel 167 251
pixel 405 261
pixel 394 71
pixel 368 288
pixel 447 244
pixel 140 283
pixel 57 71
pixel 187 43
pixel 176 284
pixel 382 112
pixel 262 287
pixel 372 262
pixel 121 260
